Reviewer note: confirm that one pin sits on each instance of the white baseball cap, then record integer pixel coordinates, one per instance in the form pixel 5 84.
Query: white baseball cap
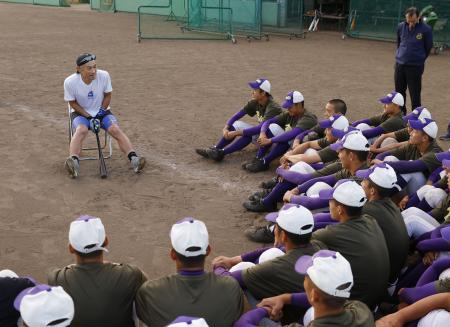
pixel 242 266
pixel 354 140
pixel 347 192
pixel 270 254
pixel 185 321
pixel 338 121
pixel 381 174
pixel 329 271
pixel 8 273
pixel 393 97
pixel 189 233
pixel 428 126
pixel 87 234
pixel 43 306
pixel 419 112
pixel 262 84
pixel 294 219
pixel 292 98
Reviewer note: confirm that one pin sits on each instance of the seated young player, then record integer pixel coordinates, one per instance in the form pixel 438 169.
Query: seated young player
pixel 293 229
pixel 416 160
pixel 328 282
pixel 288 125
pixel 191 291
pixel 238 134
pixel 393 140
pixel 390 121
pixel 359 238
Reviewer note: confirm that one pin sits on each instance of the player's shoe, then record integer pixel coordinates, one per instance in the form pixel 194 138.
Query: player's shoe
pixel 248 162
pixel 260 234
pixel 257 166
pixel 446 137
pixel 258 206
pixel 73 167
pixel 211 153
pixel 258 195
pixel 138 163
pixel 268 185
pixel 203 152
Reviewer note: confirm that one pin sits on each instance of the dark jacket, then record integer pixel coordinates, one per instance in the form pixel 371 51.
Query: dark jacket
pixel 413 46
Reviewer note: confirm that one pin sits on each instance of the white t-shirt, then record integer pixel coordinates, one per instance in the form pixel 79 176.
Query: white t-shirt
pixel 89 97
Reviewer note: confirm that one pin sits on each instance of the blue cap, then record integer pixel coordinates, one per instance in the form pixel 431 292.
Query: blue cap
pixel 443 155
pixel 292 98
pixel 425 125
pixel 393 97
pixel 341 133
pixel 261 84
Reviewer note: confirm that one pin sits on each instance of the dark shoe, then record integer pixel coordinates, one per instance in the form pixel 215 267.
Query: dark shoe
pixel 211 153
pixel 257 166
pixel 258 206
pixel 248 162
pixel 268 185
pixel 258 195
pixel 445 137
pixel 260 234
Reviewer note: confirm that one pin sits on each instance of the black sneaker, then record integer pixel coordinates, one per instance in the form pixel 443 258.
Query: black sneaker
pixel 248 162
pixel 211 153
pixel 260 234
pixel 258 195
pixel 268 185
pixel 257 166
pixel 258 206
pixel 446 137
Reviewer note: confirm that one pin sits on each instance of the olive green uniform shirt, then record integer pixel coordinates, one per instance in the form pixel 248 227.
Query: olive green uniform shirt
pixel 355 314
pixel 411 152
pixel 361 241
pixel 304 122
pixel 442 212
pixel 391 222
pixel 103 293
pixel 263 113
pixel 217 299
pixel 402 135
pixel 388 124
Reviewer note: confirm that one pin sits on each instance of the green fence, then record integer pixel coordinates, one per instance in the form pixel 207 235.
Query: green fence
pixel 378 19
pixel 55 3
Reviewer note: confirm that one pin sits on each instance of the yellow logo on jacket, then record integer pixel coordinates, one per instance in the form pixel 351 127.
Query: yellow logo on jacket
pixel 419 36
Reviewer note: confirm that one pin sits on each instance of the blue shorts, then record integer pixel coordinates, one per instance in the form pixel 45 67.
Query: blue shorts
pixel 105 122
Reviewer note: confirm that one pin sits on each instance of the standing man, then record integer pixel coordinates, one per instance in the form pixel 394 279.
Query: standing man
pixel 414 43
pixel 88 92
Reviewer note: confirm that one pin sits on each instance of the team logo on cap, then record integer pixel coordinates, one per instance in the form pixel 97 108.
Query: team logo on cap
pixel 288 97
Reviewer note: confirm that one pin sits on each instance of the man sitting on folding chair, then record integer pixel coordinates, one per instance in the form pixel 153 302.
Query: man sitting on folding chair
pixel 88 92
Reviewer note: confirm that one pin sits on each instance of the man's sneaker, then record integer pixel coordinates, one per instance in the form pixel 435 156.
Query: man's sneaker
pixel 73 167
pixel 138 163
pixel 268 185
pixel 257 166
pixel 446 137
pixel 258 195
pixel 248 162
pixel 260 234
pixel 258 206
pixel 211 153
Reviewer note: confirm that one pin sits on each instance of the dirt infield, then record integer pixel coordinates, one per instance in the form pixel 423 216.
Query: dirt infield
pixel 169 97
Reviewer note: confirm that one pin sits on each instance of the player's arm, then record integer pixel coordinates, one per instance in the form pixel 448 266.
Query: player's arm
pixel 79 109
pixel 106 100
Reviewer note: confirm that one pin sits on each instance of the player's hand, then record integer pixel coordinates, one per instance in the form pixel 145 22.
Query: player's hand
pixel 263 141
pixel 231 135
pixel 295 143
pixel 94 125
pixel 101 113
pixel 287 197
pixel 376 161
pixel 429 257
pixel 403 202
pixel 275 305
pixel 226 262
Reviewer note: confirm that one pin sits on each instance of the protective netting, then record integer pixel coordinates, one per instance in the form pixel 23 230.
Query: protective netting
pixel 378 19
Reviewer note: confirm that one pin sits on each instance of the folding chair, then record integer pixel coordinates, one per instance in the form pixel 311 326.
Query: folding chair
pixel 107 142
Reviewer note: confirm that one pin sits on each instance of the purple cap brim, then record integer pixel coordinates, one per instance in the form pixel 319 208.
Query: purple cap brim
pixel 272 217
pixel 326 194
pixel 325 123
pixel 287 104
pixel 254 85
pixel 385 100
pixel 445 232
pixel 338 133
pixel 363 173
pixel 446 163
pixel 443 156
pixel 416 124
pixel 337 146
pixel 303 263
pixel 29 291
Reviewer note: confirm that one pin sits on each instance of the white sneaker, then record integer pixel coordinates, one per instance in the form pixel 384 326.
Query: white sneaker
pixel 138 163
pixel 73 167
